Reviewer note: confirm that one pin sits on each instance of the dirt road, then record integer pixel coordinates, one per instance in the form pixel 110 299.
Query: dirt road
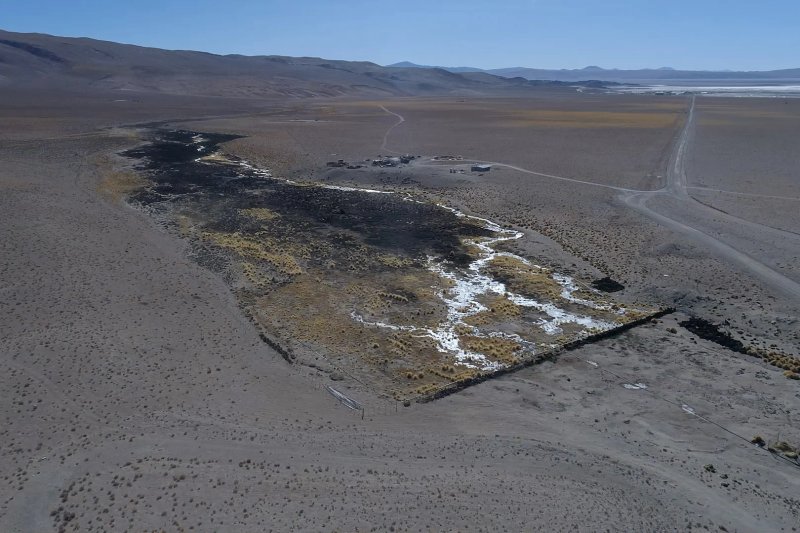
pixel 676 188
pixel 741 237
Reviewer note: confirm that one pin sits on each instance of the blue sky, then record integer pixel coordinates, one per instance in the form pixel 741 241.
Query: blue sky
pixel 699 34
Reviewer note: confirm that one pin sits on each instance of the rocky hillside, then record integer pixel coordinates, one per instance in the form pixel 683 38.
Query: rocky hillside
pixel 28 59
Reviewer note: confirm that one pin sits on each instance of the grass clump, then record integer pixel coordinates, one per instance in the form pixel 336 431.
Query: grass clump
pixel 522 278
pixel 499 349
pixel 262 214
pixel 117 185
pixel 253 249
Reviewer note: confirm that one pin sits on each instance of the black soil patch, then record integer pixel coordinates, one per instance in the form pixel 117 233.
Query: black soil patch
pixel 607 285
pixel 711 332
pixel 219 190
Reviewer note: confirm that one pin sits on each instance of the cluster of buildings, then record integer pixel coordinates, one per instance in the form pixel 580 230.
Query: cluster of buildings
pixel 473 168
pixel 396 161
pixel 342 163
pixel 381 161
pixel 393 161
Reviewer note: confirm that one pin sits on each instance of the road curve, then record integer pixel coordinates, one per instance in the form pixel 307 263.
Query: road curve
pixel 400 120
pixel 677 184
pixel 676 187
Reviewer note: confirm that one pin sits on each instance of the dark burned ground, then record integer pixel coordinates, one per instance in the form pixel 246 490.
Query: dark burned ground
pixel 382 286
pixel 345 217
pixel 607 285
pixel 711 332
pixel 303 258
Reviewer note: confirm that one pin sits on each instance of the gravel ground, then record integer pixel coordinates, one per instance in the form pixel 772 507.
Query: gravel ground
pixel 138 396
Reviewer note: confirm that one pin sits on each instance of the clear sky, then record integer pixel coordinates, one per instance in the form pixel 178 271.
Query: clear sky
pixel 690 34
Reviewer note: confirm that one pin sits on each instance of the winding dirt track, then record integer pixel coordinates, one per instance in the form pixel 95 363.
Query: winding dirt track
pixel 676 187
pixel 400 120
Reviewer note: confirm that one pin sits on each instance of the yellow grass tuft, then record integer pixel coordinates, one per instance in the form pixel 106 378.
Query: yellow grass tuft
pixel 393 296
pixel 261 214
pixel 525 279
pixel 255 276
pixel 247 247
pixel 499 308
pixel 394 261
pixel 117 185
pixel 504 350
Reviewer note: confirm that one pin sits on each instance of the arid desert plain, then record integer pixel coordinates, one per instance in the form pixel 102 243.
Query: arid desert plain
pixel 186 284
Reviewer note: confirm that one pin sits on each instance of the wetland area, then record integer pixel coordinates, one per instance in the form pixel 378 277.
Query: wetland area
pixel 404 294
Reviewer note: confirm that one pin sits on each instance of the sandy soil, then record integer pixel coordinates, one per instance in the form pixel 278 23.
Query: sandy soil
pixel 603 138
pixel 139 397
pixel 747 147
pixel 744 159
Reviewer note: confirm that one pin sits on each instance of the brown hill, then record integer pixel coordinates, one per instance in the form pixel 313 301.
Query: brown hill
pixel 30 59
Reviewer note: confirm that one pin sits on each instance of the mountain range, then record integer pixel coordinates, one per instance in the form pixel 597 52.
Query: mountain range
pixel 46 61
pixel 39 60
pixel 665 75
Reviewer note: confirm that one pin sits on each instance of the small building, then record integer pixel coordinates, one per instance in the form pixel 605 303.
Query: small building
pixel 481 168
pixel 386 162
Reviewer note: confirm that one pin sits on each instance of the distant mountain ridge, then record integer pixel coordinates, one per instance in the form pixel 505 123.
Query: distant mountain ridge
pixel 39 60
pixel 409 64
pixel 665 74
